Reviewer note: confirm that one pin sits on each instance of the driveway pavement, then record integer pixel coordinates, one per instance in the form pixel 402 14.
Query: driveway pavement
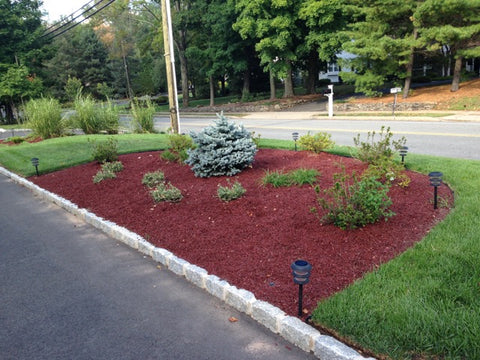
pixel 67 291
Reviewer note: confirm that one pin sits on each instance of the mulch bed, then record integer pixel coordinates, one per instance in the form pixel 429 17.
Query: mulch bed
pixel 251 242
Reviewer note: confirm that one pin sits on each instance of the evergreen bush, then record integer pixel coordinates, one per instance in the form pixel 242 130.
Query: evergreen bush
pixel 178 145
pixel 221 149
pixel 317 143
pixel 105 151
pixel 230 192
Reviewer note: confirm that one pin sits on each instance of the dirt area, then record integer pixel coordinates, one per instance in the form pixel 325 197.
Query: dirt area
pixel 252 241
pixel 435 94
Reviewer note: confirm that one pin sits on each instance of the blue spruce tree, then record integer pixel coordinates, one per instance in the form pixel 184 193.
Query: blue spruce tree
pixel 221 149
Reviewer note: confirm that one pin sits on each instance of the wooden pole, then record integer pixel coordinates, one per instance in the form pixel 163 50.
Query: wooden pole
pixel 170 67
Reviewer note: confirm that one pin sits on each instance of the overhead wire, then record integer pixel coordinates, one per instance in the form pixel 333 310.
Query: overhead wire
pixel 72 23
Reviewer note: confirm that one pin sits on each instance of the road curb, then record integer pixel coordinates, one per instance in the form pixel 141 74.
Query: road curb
pixel 276 320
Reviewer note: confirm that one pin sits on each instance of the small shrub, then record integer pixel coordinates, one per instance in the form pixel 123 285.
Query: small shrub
pixel 142 117
pixel 105 151
pixel 108 171
pixel 44 117
pixel 103 175
pixel 73 88
pixel 166 192
pixel 232 192
pixel 388 171
pixel 296 177
pixel 15 139
pixel 153 179
pixel 178 146
pixel 222 149
pixel 256 138
pixel 114 167
pixel 351 203
pixel 316 143
pixel 373 151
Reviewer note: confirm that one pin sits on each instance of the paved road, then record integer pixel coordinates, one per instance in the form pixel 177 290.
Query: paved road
pixel 67 291
pixel 438 137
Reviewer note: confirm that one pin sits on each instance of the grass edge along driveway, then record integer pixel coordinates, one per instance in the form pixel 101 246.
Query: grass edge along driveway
pixel 424 302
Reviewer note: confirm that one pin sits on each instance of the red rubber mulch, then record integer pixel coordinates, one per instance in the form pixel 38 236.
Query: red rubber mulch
pixel 251 242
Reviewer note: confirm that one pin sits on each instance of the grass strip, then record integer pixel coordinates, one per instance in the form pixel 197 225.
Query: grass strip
pixel 63 152
pixel 424 302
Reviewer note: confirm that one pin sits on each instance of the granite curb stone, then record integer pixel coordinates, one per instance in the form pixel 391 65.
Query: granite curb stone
pixel 291 328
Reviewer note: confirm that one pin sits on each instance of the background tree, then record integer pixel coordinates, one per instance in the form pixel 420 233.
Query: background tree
pixel 452 23
pixel 274 25
pixel 381 34
pixel 20 30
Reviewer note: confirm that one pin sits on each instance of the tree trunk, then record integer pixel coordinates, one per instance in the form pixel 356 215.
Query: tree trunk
pixel 212 91
pixel 456 74
pixel 408 78
pixel 9 113
pixel 127 77
pixel 312 73
pixel 288 81
pixel 246 85
pixel 273 88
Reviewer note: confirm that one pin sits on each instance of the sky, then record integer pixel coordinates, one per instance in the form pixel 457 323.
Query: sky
pixel 57 8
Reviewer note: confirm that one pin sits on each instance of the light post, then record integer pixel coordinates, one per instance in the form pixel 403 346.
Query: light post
pixel 403 152
pixel 295 138
pixel 35 162
pixel 329 95
pixel 301 275
pixel 435 181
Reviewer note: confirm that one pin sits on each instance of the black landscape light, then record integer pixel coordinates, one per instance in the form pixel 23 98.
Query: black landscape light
pixel 35 162
pixel 435 181
pixel 301 275
pixel 295 138
pixel 403 152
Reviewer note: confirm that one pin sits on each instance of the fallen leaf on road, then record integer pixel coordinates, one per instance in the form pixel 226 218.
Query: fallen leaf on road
pixel 232 319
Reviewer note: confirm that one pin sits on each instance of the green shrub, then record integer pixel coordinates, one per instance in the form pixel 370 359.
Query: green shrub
pixel 178 145
pixel 44 117
pixel 231 192
pixel 373 151
pixel 105 151
pixel 166 192
pixel 351 203
pixel 115 166
pixel 221 149
pixel 15 139
pixel 317 143
pixel 103 175
pixel 108 171
pixel 296 177
pixel 153 179
pixel 142 117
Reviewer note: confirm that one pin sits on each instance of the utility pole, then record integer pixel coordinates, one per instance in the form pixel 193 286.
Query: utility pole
pixel 170 66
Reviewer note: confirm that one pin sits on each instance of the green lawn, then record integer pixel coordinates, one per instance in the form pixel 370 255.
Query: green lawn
pixel 425 302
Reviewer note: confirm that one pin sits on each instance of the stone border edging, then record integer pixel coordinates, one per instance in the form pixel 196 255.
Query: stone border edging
pixel 290 328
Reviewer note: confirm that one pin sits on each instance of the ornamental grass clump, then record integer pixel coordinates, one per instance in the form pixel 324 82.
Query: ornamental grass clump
pixel 221 149
pixel 142 116
pixel 297 177
pixel 44 117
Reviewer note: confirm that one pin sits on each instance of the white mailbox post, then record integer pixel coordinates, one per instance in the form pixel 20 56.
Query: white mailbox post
pixel 395 91
pixel 329 94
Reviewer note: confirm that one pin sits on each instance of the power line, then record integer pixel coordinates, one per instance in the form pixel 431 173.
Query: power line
pixel 71 17
pixel 77 23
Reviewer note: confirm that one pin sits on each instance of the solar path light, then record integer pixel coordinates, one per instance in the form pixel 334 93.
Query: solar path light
pixel 301 275
pixel 35 162
pixel 435 180
pixel 295 138
pixel 403 152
